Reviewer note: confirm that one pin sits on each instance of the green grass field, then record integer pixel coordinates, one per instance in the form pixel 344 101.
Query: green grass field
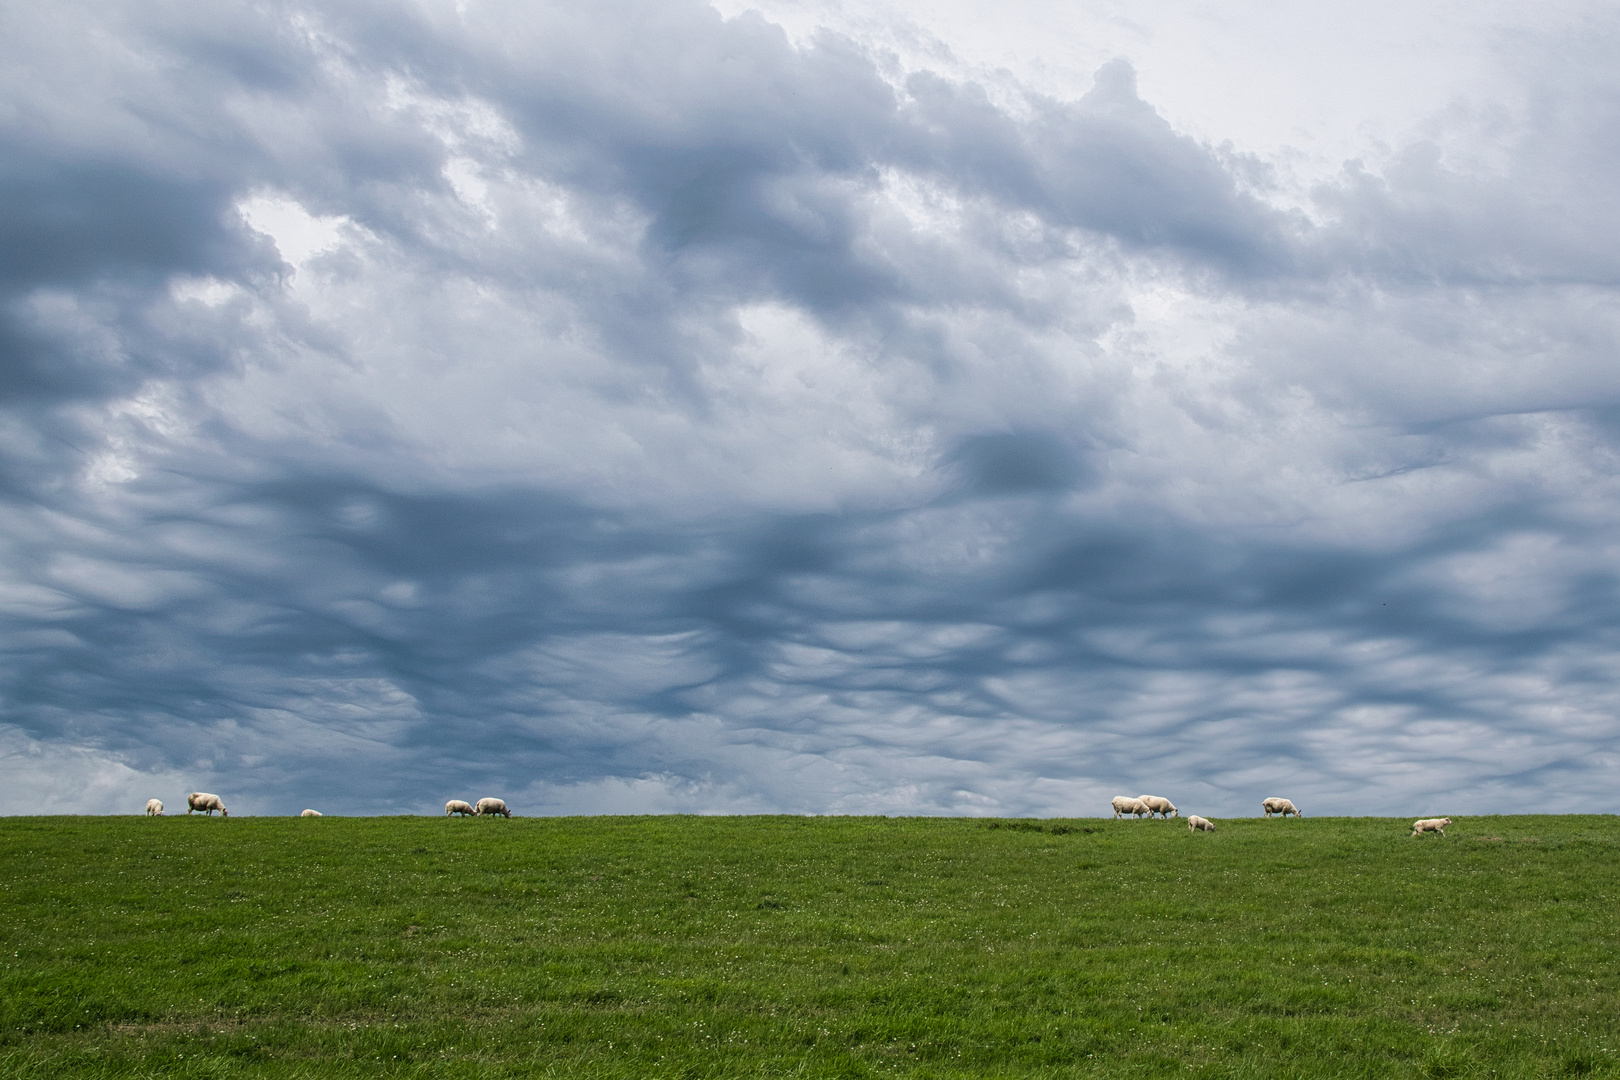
pixel 807 947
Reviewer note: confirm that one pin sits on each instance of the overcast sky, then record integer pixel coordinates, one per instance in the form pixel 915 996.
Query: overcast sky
pixel 839 406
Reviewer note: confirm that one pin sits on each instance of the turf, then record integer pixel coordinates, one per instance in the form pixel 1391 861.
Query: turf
pixel 807 947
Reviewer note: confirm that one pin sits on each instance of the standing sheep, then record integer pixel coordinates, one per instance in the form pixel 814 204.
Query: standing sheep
pixel 1431 824
pixel 310 813
pixel 486 807
pixel 1124 804
pixel 1199 824
pixel 154 808
pixel 456 806
pixel 1158 805
pixel 1280 806
pixel 201 800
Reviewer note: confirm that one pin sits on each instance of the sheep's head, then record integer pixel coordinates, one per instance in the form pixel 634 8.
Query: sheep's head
pixel 223 812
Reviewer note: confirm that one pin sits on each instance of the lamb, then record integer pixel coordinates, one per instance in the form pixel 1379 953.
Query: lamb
pixel 1199 824
pixel 1158 805
pixel 154 808
pixel 1431 824
pixel 491 806
pixel 1124 804
pixel 201 800
pixel 456 806
pixel 310 813
pixel 1280 806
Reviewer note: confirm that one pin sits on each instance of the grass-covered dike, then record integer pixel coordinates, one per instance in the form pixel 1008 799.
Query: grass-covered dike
pixel 807 947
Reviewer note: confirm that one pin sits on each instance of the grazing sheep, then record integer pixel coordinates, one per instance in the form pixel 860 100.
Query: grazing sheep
pixel 1431 824
pixel 1280 806
pixel 1199 824
pixel 491 806
pixel 1124 804
pixel 154 808
pixel 201 800
pixel 456 806
pixel 310 813
pixel 1158 805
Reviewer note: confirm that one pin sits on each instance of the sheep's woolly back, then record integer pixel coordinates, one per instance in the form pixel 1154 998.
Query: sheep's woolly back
pixel 204 801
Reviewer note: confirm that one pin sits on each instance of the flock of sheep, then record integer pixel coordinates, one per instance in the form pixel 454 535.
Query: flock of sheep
pixel 1150 805
pixel 202 800
pixel 484 807
pixel 1164 808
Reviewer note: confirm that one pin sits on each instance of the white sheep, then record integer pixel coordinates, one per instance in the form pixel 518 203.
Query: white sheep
pixel 154 808
pixel 1124 804
pixel 310 813
pixel 456 806
pixel 1199 824
pixel 1158 805
pixel 486 807
pixel 201 800
pixel 1431 824
pixel 1280 806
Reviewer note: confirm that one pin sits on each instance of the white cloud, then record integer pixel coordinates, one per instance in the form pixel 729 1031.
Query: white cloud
pixel 49 778
pixel 298 234
pixel 948 417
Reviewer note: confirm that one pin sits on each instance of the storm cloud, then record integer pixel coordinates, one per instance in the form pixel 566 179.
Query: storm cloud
pixel 644 408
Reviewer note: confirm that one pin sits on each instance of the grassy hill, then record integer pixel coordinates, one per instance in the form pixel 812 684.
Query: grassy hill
pixel 807 947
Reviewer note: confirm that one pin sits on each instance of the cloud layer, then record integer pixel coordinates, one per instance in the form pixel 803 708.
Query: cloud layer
pixel 639 409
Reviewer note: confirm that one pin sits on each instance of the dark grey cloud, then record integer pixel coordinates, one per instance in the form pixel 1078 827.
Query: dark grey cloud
pixel 502 638
pixel 644 411
pixel 1015 463
pixel 1107 163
